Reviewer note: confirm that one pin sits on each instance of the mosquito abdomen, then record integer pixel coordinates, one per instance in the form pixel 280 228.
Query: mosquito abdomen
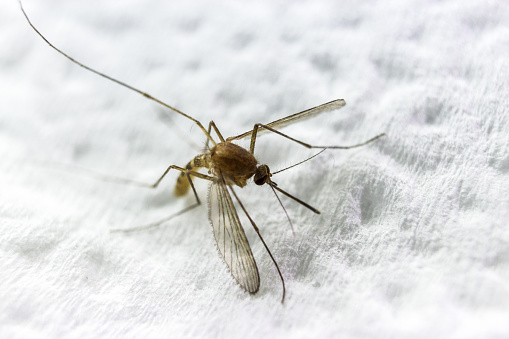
pixel 183 184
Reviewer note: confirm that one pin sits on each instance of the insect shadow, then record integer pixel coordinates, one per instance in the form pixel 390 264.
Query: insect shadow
pixel 228 165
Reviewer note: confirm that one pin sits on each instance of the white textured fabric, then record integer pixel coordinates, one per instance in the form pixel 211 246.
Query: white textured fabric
pixel 413 238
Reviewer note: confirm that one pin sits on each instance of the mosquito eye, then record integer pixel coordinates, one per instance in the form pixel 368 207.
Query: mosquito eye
pixel 261 175
pixel 260 180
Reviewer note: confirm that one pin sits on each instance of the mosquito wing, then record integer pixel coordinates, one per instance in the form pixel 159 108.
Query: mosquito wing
pixel 309 113
pixel 230 237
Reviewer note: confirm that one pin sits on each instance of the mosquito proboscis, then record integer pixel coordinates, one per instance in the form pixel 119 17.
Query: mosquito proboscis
pixel 228 165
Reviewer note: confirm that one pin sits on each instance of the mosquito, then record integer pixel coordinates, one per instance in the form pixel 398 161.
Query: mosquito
pixel 228 165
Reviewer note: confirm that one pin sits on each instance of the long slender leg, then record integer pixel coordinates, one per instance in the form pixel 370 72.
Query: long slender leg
pixel 117 180
pixel 208 131
pixel 114 179
pixel 213 125
pixel 257 126
pixel 146 95
pixel 188 173
pixel 187 209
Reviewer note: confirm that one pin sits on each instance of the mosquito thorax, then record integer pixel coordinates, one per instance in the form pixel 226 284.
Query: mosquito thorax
pixel 233 161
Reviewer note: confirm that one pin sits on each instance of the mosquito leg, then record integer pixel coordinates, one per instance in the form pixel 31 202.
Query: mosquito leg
pixel 263 242
pixel 213 125
pixel 157 223
pixel 253 139
pixel 113 179
pixel 208 131
pixel 187 209
pixel 188 173
pixel 123 84
pixel 257 126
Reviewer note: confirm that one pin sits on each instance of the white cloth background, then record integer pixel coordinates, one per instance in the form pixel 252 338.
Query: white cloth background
pixel 412 241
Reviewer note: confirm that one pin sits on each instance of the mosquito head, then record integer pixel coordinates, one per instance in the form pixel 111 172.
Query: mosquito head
pixel 262 175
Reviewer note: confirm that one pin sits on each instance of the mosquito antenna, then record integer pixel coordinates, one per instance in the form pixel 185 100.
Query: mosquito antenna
pixel 263 241
pixel 146 95
pixel 303 161
pixel 284 209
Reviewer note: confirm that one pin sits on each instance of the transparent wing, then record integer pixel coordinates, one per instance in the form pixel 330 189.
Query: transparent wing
pixel 309 113
pixel 230 237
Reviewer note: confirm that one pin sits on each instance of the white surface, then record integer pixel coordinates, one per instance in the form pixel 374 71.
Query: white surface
pixel 412 241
